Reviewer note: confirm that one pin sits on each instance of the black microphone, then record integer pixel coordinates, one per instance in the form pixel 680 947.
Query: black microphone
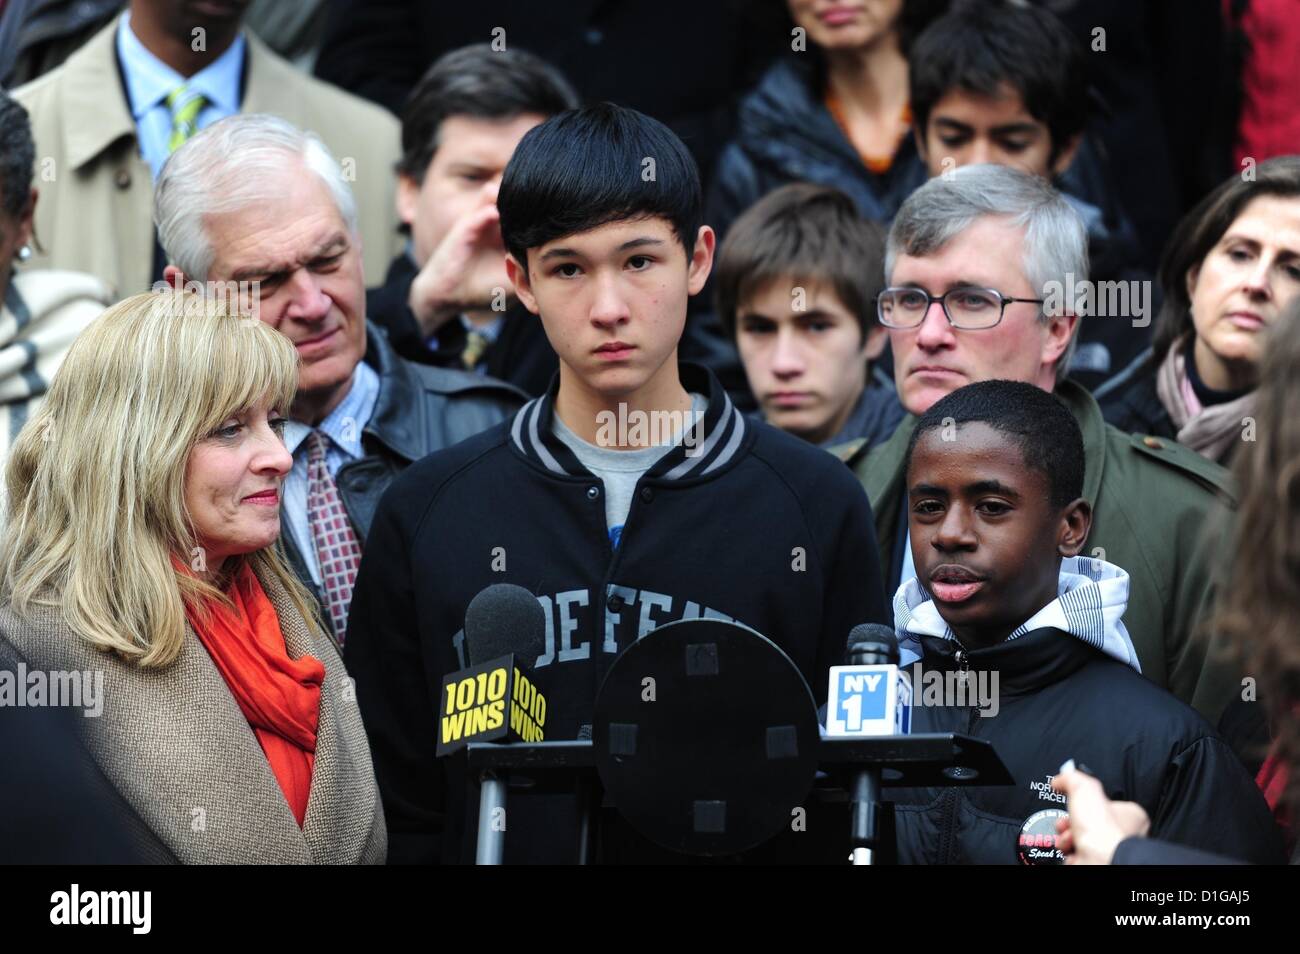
pixel 868 696
pixel 496 698
pixel 872 644
pixel 504 619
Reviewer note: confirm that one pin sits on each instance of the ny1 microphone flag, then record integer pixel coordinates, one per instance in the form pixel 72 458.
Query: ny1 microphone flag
pixel 495 701
pixel 869 701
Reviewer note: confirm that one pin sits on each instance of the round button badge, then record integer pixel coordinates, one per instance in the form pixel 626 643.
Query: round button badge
pixel 1037 842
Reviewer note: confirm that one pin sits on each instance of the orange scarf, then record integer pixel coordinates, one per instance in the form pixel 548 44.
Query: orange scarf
pixel 878 165
pixel 279 696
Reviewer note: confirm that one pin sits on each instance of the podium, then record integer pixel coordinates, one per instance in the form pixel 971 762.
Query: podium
pixel 705 738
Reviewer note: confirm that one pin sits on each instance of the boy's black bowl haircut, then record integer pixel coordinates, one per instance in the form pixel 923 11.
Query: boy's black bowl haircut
pixel 585 168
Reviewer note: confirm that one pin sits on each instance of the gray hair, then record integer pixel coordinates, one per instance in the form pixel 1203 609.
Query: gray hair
pixel 1056 240
pixel 230 166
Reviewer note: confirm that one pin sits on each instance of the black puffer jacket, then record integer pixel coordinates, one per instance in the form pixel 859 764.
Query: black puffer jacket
pixel 784 133
pixel 1130 401
pixel 1059 698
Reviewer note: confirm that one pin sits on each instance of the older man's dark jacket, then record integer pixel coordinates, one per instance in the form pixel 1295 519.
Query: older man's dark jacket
pixel 419 410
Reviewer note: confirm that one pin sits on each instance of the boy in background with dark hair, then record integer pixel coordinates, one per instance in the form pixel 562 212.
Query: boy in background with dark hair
pixel 1002 601
pixel 796 288
pixel 616 529
pixel 997 82
pixel 446 300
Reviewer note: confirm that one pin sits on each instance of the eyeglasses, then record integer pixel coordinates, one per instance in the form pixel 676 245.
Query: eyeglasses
pixel 967 308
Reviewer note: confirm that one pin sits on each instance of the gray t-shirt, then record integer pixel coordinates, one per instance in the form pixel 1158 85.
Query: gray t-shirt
pixel 620 470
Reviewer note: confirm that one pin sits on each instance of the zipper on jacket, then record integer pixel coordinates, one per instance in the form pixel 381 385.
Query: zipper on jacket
pixel 947 831
pixel 963 663
pixel 953 797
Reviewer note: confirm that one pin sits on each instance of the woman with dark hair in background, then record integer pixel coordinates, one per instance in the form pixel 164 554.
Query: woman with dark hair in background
pixel 42 309
pixel 833 112
pixel 1257 614
pixel 1231 268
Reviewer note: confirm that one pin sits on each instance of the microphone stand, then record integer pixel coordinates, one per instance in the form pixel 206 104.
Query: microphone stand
pixel 587 806
pixel 866 814
pixel 550 767
pixel 491 838
pixel 865 793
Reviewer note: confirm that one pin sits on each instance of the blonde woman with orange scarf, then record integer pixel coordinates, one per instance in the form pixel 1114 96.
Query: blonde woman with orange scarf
pixel 139 551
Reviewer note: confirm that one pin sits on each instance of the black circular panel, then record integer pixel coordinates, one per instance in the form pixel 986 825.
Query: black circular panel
pixel 706 737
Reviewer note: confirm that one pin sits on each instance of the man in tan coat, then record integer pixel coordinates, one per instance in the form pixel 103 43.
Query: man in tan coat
pixel 91 120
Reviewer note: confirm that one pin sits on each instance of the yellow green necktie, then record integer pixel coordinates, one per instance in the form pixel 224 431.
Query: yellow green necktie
pixel 475 344
pixel 185 108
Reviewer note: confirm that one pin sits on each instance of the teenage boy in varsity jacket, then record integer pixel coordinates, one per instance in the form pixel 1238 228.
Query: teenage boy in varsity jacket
pixel 615 529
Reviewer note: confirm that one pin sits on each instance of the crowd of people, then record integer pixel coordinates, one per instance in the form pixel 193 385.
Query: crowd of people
pixel 965 332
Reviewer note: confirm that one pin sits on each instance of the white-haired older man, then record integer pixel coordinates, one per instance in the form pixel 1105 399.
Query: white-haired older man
pixel 252 202
pixel 975 264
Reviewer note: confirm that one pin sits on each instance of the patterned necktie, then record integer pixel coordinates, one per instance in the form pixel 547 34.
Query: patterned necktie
pixel 337 549
pixel 475 344
pixel 185 108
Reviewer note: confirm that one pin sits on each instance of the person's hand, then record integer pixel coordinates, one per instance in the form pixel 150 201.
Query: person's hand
pixel 465 271
pixel 1096 825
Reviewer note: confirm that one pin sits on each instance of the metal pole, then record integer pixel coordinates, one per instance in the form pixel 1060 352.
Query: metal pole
pixel 491 820
pixel 586 808
pixel 866 793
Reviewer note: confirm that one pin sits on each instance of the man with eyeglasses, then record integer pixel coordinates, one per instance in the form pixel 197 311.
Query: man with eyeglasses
pixel 973 266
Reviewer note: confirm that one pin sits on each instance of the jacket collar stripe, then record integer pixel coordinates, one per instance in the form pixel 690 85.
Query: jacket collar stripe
pixel 516 429
pixel 728 452
pixel 720 427
pixel 724 425
pixel 543 453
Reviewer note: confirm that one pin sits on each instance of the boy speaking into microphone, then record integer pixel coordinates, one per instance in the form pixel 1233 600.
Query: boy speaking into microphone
pixel 997 519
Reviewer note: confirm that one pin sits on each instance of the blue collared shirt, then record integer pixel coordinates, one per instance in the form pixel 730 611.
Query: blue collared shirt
pixel 149 81
pixel 343 427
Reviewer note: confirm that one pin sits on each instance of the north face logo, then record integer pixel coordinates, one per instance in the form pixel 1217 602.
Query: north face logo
pixel 1044 790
